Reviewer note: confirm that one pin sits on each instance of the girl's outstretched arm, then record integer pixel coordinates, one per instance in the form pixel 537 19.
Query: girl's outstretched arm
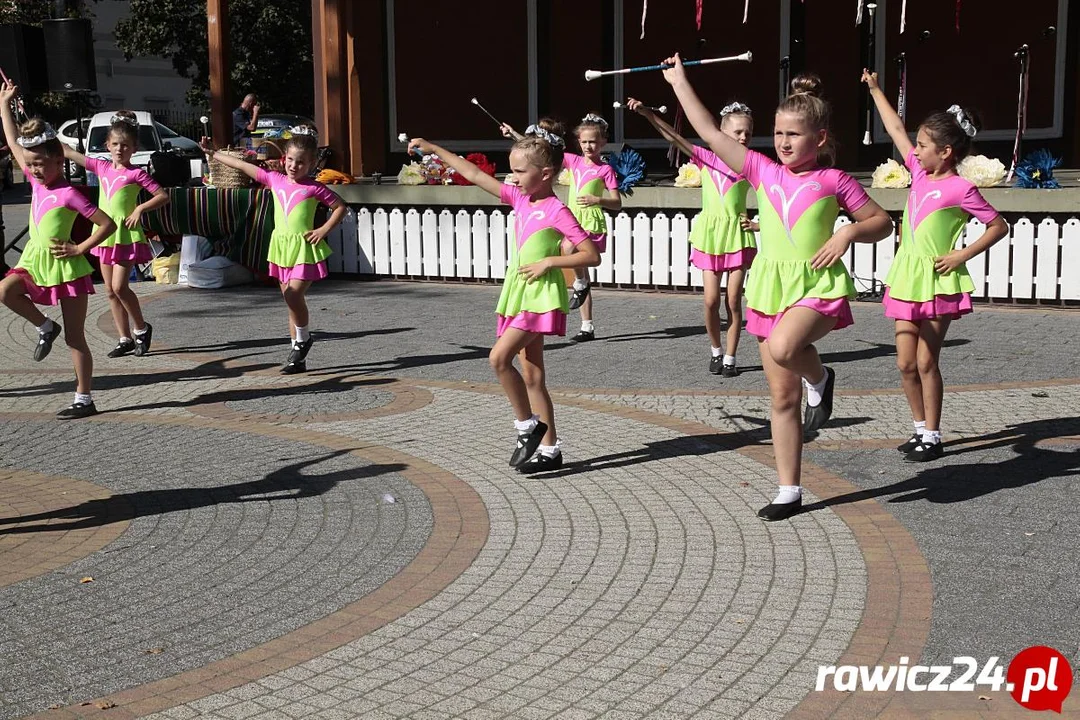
pixel 74 156
pixel 9 92
pixel 732 153
pixel 661 125
pixel 893 124
pixel 252 171
pixel 468 171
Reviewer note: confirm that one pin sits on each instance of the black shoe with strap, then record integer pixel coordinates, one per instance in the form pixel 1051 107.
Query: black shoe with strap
pixel 527 443
pixel 911 444
pixel 925 452
pixel 817 415
pixel 77 410
pixel 300 350
pixel 125 347
pixel 294 368
pixel 578 296
pixel 716 365
pixel 583 336
pixel 541 463
pixel 774 512
pixel 45 342
pixel 142 340
pixel 729 371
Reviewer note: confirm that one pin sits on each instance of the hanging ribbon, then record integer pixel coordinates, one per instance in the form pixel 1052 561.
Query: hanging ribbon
pixel 745 12
pixel 957 17
pixel 673 154
pixel 644 12
pixel 858 13
pixel 1021 108
pixel 901 97
pixel 903 16
pixel 699 14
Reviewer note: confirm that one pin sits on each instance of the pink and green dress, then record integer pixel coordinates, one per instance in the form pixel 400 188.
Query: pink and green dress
pixel 590 179
pixel 290 256
pixel 48 279
pixel 540 228
pixel 797 213
pixel 934 218
pixel 119 196
pixel 717 241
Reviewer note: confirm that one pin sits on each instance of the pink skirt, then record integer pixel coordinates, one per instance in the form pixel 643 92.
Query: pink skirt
pixel 942 307
pixel 722 263
pixel 316 271
pixel 552 322
pixel 53 294
pixel 138 253
pixel 762 325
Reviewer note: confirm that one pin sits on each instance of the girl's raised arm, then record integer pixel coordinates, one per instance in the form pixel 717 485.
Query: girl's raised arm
pixel 661 125
pixel 74 156
pixel 732 153
pixel 893 124
pixel 9 92
pixel 470 172
pixel 252 171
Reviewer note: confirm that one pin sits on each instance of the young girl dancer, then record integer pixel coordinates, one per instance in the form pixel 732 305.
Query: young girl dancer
pixel 119 184
pixel 533 302
pixel 298 250
pixel 52 268
pixel 798 289
pixel 594 189
pixel 721 240
pixel 928 285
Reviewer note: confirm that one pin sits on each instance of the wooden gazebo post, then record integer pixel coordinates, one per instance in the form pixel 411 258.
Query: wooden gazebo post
pixel 217 18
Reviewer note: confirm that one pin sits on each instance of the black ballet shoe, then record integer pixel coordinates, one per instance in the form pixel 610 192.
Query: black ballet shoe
pixel 299 351
pixel 911 444
pixel 293 368
pixel 124 347
pixel 142 340
pixel 773 512
pixel 45 342
pixel 925 452
pixel 77 410
pixel 729 371
pixel 578 296
pixel 816 416
pixel 716 365
pixel 540 463
pixel 527 444
pixel 583 336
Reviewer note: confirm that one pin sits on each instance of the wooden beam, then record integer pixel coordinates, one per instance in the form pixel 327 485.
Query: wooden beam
pixel 217 18
pixel 335 131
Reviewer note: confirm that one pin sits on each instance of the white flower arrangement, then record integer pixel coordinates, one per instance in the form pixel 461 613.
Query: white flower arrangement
pixel 689 176
pixel 565 177
pixel 891 174
pixel 981 170
pixel 410 175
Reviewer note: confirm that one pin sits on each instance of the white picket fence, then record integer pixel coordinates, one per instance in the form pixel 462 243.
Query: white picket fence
pixel 1036 262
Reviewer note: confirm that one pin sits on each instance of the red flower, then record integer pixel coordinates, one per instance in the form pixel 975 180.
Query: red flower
pixel 479 160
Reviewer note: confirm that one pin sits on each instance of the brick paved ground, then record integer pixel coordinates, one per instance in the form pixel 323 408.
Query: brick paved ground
pixel 351 543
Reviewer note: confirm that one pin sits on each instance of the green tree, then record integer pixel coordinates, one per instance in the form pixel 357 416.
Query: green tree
pixel 270 48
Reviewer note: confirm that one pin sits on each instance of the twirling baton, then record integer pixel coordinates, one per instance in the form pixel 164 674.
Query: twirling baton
pixel 476 102
pixel 17 103
pixel 594 74
pixel 404 138
pixel 661 110
pixel 867 139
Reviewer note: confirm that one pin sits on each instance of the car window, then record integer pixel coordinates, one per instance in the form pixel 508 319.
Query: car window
pixel 165 132
pixel 99 136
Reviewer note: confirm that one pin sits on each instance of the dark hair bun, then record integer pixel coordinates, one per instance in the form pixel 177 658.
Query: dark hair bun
pixel 806 84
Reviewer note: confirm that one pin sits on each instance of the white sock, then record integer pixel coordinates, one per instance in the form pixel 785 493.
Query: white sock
pixel 580 283
pixel 526 426
pixel 787 494
pixel 586 326
pixel 814 390
pixel 141 332
pixel 931 437
pixel 46 327
pixel 920 427
pixel 551 451
pixel 82 398
pixel 717 352
pixel 302 334
pixel 729 359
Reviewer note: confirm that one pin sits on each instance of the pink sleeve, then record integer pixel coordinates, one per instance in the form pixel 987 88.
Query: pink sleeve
pixel 511 195
pixel 567 224
pixel 570 160
pixel 148 183
pixel 850 193
pixel 975 204
pixel 81 204
pixel 94 165
pixel 702 157
pixel 325 195
pixel 755 166
pixel 611 180
pixel 263 177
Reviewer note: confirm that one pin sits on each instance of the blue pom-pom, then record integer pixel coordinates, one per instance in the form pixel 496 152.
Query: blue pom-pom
pixel 1037 171
pixel 629 168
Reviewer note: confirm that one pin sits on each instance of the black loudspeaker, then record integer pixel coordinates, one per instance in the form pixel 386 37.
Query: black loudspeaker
pixel 22 56
pixel 71 54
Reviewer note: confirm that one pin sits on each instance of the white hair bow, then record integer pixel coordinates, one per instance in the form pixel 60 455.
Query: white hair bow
pixel 46 135
pixel 735 107
pixel 124 119
pixel 594 118
pixel 962 120
pixel 552 139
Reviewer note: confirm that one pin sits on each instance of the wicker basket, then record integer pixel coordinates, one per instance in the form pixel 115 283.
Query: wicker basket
pixel 224 177
pixel 268 149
